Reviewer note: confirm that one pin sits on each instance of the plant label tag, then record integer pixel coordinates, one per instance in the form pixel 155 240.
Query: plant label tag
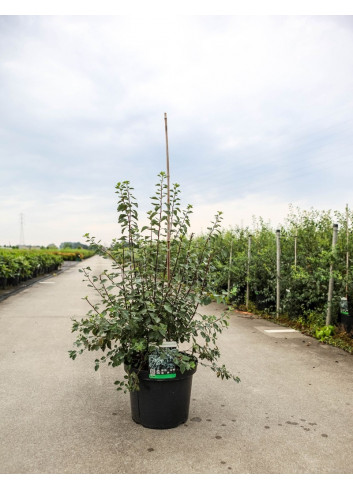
pixel 160 362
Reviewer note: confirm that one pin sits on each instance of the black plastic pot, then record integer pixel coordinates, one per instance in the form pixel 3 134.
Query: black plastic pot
pixel 162 403
pixel 15 280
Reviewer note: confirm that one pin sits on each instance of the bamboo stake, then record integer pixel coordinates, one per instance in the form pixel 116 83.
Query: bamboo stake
pixel 168 198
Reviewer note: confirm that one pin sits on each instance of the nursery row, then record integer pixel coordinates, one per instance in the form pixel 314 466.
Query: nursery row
pixel 20 265
pixel 245 269
pixel 70 254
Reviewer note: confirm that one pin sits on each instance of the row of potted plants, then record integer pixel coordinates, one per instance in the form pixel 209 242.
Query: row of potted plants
pixel 20 265
pixel 73 254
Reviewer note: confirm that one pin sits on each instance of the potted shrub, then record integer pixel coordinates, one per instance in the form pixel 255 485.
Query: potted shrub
pixel 146 318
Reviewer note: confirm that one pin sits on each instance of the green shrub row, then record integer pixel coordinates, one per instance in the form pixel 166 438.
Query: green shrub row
pixel 69 254
pixel 303 282
pixel 20 265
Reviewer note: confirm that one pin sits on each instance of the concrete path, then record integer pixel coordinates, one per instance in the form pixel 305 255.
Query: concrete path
pixel 292 412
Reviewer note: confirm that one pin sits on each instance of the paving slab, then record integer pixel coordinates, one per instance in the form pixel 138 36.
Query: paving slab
pixel 291 413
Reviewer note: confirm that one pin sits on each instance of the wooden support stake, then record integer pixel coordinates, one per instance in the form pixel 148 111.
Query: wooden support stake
pixel 330 285
pixel 230 265
pixel 168 198
pixel 248 274
pixel 347 252
pixel 295 247
pixel 278 292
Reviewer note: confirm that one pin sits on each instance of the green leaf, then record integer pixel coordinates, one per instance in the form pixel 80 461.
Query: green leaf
pixel 206 300
pixel 168 308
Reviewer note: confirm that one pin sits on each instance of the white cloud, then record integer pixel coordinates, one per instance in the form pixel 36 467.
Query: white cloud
pixel 259 115
pixel 241 211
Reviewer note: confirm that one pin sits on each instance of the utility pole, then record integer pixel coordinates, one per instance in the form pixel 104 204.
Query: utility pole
pixel 330 285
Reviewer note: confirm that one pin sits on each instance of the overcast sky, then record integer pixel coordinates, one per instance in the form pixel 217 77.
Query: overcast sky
pixel 260 115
